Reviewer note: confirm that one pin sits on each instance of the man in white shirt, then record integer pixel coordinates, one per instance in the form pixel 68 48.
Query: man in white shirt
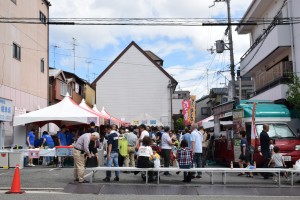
pixel 143 133
pixel 166 147
pixel 197 139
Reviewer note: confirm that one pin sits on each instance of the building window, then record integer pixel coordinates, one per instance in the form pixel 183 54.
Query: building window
pixel 64 88
pixel 204 111
pixel 42 65
pixel 16 51
pixel 42 18
pixel 14 1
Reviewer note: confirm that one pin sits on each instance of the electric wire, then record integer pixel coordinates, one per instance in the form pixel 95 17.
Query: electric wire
pixel 150 21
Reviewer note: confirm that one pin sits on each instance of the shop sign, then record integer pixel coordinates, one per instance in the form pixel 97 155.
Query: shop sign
pixel 6 110
pixel 238 114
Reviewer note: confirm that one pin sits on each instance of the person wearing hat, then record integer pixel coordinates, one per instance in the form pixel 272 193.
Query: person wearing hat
pixel 81 148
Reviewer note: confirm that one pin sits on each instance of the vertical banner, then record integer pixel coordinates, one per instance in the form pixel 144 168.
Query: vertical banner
pixel 238 125
pixel 192 111
pixel 185 111
pixel 253 128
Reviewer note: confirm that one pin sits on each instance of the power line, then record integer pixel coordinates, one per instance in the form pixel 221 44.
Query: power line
pixel 152 21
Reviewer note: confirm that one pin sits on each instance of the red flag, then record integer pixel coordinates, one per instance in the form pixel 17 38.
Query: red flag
pixel 253 127
pixel 186 104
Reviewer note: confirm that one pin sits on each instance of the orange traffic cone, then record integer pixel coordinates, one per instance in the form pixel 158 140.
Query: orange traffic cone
pixel 16 184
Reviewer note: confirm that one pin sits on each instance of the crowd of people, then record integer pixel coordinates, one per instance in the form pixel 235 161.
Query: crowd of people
pixel 133 146
pixel 64 137
pixel 142 146
pixel 270 153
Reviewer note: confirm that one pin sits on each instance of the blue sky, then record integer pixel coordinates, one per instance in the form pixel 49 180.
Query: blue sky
pixel 183 49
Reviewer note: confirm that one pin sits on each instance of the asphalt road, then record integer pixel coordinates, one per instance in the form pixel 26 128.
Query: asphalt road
pixel 50 183
pixel 51 196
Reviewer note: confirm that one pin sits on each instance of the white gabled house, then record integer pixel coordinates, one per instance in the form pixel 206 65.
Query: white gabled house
pixel 135 83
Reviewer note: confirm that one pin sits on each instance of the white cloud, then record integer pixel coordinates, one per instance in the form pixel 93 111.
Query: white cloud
pixel 162 40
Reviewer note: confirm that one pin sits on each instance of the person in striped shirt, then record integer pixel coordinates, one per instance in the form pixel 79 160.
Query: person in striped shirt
pixel 184 157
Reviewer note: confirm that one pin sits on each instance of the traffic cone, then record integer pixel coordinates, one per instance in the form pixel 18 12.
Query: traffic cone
pixel 16 184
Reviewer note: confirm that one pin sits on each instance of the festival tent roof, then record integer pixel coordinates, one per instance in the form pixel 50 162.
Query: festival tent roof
pixel 209 122
pixel 108 116
pixel 65 112
pixel 210 118
pixel 116 120
pixel 96 109
pixel 86 107
pixel 146 119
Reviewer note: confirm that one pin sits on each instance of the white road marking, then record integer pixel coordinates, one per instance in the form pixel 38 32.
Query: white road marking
pixel 53 169
pixel 89 174
pixel 36 192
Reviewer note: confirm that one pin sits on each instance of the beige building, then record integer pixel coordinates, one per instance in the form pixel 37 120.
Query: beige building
pixel 23 60
pixel 90 94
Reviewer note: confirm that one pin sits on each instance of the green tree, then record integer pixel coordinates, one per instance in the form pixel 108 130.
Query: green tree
pixel 179 124
pixel 293 93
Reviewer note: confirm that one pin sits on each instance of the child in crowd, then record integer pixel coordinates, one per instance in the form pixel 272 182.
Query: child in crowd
pixel 155 154
pixel 277 162
pixel 185 158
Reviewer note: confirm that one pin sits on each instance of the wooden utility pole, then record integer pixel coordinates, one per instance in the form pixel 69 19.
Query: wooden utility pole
pixel 230 48
pixel 232 71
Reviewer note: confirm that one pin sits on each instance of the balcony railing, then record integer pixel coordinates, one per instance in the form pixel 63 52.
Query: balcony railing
pixel 278 74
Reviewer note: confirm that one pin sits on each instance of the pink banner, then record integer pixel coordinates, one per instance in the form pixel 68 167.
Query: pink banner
pixel 186 104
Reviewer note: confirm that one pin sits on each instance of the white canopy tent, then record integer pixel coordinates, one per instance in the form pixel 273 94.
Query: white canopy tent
pixel 86 107
pixel 65 112
pixel 146 119
pixel 108 116
pixel 209 122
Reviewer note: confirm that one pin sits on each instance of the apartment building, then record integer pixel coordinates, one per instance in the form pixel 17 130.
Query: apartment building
pixel 275 44
pixel 23 62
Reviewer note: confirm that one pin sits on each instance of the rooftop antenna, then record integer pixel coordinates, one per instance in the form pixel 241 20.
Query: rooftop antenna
pixel 74 45
pixel 55 46
pixel 88 70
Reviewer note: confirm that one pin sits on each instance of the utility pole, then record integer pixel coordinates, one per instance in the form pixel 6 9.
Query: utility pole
pixel 230 48
pixel 74 45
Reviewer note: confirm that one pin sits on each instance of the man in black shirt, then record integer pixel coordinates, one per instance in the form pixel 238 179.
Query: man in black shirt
pixel 265 150
pixel 112 153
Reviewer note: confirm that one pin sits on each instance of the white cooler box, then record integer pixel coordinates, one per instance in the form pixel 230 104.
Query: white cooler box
pixel 16 158
pixel 3 159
